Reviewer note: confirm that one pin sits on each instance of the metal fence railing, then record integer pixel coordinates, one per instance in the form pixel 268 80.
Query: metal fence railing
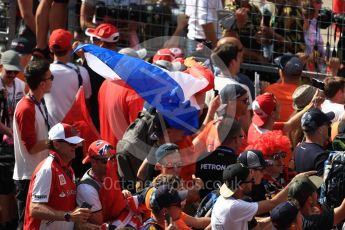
pixel 283 25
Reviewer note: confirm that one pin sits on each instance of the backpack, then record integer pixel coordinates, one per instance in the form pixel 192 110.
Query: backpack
pixel 206 204
pixel 136 143
pixel 333 190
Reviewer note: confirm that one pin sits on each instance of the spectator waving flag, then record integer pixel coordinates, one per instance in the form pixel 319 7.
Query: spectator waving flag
pixel 171 93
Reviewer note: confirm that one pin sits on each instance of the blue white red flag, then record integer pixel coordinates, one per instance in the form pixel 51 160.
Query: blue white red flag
pixel 171 93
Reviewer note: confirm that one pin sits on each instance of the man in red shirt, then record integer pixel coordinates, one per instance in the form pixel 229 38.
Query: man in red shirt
pixel 51 201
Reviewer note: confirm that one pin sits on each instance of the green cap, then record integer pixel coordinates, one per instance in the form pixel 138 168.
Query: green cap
pixel 302 187
pixel 11 61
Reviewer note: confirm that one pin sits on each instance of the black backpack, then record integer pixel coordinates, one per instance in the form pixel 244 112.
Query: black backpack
pixel 333 190
pixel 136 143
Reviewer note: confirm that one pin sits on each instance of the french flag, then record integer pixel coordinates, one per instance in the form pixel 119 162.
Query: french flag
pixel 171 93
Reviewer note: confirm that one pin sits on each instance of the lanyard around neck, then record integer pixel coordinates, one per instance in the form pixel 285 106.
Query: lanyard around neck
pixel 45 113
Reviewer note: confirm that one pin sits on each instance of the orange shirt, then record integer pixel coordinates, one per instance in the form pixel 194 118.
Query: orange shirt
pixel 188 158
pixel 283 92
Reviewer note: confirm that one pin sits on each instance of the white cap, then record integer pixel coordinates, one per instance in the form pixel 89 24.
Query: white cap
pixel 66 132
pixel 134 53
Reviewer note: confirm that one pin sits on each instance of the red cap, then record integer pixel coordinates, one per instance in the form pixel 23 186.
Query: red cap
pixel 105 32
pixel 177 52
pixel 164 55
pixel 202 72
pixel 263 107
pixel 99 148
pixel 60 40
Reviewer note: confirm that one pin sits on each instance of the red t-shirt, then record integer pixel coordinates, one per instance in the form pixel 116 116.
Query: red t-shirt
pixel 52 183
pixel 255 133
pixel 119 106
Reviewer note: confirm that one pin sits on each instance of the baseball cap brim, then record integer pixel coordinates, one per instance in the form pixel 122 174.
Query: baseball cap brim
pixel 91 33
pixel 225 191
pixel 12 67
pixel 142 53
pixel 170 66
pixel 86 159
pixel 182 195
pixel 317 181
pixel 330 116
pixel 74 140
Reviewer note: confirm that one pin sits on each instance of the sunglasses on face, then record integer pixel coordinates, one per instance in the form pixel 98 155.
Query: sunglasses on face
pixel 170 165
pixel 278 156
pixel 102 160
pixel 11 72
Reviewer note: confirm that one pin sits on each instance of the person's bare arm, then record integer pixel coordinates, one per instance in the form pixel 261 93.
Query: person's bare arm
pixel 45 212
pixel 210 33
pixel 295 121
pixel 39 146
pixel 267 205
pixel 6 130
pixel 213 106
pixel 86 15
pixel 25 8
pixel 339 213
pixel 96 217
pixel 197 222
pixel 182 22
pixel 142 170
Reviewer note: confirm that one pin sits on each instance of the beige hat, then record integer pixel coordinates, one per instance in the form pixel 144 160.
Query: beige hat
pixel 303 96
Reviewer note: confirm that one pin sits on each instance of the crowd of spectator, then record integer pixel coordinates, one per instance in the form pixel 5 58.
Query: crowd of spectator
pixel 81 150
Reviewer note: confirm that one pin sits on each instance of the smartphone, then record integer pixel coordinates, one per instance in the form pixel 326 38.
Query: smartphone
pixel 167 218
pixel 86 205
pixel 216 92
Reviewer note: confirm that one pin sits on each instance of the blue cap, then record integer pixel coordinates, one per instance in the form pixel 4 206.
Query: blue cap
pixel 290 64
pixel 165 150
pixel 283 215
pixel 165 196
pixel 315 118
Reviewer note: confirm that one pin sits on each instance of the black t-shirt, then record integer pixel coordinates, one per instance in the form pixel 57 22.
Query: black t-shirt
pixel 310 156
pixel 323 221
pixel 210 166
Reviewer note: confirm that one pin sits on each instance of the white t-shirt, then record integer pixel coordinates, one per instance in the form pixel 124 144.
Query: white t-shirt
pixel 64 89
pixel 88 193
pixel 202 12
pixel 232 214
pixel 338 109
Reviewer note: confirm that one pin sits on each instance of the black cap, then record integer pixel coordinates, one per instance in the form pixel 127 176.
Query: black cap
pixel 231 92
pixel 315 118
pixel 233 175
pixel 165 150
pixel 302 187
pixel 165 196
pixel 22 45
pixel 283 215
pixel 252 159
